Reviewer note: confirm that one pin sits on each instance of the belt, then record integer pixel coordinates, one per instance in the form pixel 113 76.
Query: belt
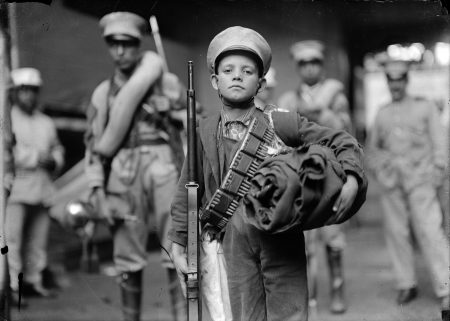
pixel 251 153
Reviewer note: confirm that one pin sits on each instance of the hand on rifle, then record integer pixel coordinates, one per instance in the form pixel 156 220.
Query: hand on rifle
pixel 180 261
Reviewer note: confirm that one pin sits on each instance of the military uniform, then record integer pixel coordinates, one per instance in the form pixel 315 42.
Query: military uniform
pixel 260 276
pixel 140 177
pixel 408 157
pixel 27 221
pixel 325 103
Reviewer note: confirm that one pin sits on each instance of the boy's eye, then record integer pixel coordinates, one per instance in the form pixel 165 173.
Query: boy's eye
pixel 248 72
pixel 227 70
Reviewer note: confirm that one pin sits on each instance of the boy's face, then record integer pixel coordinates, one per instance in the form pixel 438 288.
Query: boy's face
pixel 237 78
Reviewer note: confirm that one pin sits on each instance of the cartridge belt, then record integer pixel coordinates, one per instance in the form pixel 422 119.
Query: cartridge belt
pixel 251 153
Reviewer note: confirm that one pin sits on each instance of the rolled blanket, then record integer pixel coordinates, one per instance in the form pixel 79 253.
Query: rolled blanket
pixel 126 103
pixel 295 188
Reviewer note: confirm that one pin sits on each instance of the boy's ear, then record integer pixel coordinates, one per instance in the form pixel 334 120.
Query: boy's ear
pixel 215 81
pixel 262 84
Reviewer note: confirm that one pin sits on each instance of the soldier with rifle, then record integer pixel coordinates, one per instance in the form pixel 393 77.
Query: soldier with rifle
pixel 252 260
pixel 133 157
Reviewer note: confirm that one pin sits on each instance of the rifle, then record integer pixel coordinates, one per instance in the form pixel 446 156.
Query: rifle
pixel 193 280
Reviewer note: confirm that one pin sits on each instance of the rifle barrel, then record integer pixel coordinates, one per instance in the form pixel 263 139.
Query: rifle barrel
pixel 192 124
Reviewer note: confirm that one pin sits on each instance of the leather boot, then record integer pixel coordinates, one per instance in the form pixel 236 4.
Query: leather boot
pixel 337 302
pixel 177 299
pixel 131 291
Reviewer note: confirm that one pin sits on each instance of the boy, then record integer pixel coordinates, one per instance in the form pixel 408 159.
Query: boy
pixel 265 273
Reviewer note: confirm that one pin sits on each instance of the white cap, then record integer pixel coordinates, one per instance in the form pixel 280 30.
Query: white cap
pixel 307 50
pixel 26 77
pixel 122 23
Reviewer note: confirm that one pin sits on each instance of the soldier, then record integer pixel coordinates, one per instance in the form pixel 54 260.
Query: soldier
pixel 132 158
pixel 249 274
pixel 37 155
pixel 320 100
pixel 408 157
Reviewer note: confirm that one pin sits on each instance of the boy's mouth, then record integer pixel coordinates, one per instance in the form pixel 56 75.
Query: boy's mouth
pixel 236 86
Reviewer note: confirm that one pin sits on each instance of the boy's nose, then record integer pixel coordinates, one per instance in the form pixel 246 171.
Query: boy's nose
pixel 237 75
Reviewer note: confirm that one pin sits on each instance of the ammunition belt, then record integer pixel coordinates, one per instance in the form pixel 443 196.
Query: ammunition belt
pixel 251 153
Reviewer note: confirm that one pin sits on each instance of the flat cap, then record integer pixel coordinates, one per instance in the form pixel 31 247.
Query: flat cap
pixel 123 23
pixel 307 50
pixel 239 38
pixel 396 69
pixel 26 77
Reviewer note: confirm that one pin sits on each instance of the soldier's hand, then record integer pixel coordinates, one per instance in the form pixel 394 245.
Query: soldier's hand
pixel 47 162
pixel 103 206
pixel 344 201
pixel 179 258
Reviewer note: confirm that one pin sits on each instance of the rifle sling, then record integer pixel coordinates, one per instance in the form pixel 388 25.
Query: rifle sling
pixel 192 283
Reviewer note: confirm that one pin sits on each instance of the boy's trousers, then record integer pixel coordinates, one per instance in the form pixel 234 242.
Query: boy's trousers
pixel 266 273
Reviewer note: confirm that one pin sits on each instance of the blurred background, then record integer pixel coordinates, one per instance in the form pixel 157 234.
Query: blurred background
pixel 63 41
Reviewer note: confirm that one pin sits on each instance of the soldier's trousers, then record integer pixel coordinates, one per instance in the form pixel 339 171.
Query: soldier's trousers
pixel 148 198
pixel 27 229
pixel 420 210
pixel 331 235
pixel 266 273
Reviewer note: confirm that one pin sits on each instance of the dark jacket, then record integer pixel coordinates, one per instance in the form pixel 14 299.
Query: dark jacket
pixel 293 130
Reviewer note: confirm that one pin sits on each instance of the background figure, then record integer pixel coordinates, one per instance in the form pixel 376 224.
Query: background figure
pixel 134 152
pixel 407 154
pixel 321 100
pixel 265 96
pixel 37 155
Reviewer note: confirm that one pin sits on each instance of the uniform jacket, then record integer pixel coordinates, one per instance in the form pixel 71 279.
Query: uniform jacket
pixel 407 144
pixel 324 103
pixel 147 124
pixel 35 137
pixel 291 128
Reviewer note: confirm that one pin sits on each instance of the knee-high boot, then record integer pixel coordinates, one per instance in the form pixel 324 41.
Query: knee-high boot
pixel 131 292
pixel 177 299
pixel 337 302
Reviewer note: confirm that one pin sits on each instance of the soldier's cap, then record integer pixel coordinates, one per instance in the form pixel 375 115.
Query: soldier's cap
pixel 307 50
pixel 26 77
pixel 240 39
pixel 123 24
pixel 396 69
pixel 271 81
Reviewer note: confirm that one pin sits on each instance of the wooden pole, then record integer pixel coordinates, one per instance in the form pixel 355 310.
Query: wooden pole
pixel 5 132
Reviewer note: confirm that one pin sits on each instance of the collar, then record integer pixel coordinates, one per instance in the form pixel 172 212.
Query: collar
pixel 225 118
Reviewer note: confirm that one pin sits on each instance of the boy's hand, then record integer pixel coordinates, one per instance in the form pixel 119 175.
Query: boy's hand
pixel 180 262
pixel 344 201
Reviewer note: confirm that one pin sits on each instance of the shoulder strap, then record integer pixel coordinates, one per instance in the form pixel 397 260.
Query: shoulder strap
pixel 285 125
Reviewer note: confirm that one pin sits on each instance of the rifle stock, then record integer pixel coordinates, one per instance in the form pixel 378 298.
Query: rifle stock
pixel 193 279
